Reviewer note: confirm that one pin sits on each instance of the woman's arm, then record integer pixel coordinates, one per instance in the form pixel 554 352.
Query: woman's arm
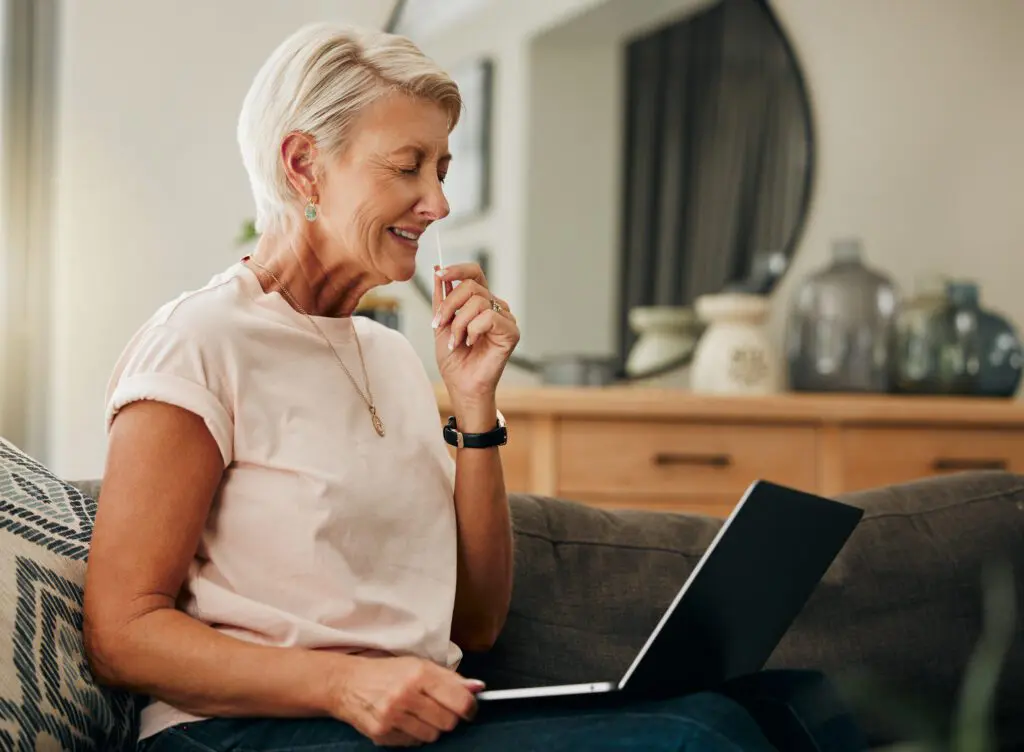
pixel 163 469
pixel 485 557
pixel 475 334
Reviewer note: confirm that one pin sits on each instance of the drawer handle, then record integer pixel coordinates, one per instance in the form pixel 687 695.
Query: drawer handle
pixel 954 463
pixel 704 460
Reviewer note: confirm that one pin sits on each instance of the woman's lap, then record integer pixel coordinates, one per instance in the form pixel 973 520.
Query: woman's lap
pixel 702 721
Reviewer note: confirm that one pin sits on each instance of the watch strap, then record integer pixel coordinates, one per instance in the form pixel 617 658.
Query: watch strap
pixel 497 436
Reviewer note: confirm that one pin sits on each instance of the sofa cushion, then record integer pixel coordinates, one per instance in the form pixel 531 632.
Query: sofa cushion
pixel 48 698
pixel 902 600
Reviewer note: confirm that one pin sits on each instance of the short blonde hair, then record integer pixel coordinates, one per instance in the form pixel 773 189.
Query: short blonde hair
pixel 317 82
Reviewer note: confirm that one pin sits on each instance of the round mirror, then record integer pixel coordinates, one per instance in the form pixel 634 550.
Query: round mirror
pixel 663 162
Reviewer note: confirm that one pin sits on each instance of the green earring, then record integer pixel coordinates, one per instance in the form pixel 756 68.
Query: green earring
pixel 311 212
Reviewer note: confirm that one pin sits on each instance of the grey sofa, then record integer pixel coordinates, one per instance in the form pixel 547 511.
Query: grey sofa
pixel 902 601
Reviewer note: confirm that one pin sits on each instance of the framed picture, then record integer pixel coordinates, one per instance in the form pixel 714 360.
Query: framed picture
pixel 468 185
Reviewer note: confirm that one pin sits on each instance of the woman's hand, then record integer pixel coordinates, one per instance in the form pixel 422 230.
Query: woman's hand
pixel 403 701
pixel 474 332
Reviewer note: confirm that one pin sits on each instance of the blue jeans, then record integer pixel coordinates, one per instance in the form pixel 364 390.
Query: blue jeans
pixel 706 721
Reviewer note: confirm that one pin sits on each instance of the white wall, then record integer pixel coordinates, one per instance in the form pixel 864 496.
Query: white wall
pixel 150 191
pixel 919 111
pixel 569 254
pixel 422 18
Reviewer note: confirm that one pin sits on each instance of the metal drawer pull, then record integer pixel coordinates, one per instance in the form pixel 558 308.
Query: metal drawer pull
pixel 953 463
pixel 705 460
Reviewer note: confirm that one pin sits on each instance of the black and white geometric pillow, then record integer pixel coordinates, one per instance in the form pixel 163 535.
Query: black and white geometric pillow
pixel 48 697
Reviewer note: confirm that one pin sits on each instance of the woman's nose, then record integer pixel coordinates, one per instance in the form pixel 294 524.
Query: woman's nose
pixel 434 205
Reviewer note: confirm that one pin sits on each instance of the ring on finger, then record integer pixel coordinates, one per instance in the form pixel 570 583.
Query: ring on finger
pixel 496 306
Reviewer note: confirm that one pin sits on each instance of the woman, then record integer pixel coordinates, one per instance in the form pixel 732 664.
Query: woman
pixel 285 556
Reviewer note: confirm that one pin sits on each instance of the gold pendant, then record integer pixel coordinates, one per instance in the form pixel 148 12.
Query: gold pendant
pixel 378 424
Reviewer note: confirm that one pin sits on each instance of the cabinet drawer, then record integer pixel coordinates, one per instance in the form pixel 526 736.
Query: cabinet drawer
pixel 874 457
pixel 614 457
pixel 516 461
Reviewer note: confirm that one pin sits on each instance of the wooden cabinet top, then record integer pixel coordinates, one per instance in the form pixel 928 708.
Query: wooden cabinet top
pixel 817 409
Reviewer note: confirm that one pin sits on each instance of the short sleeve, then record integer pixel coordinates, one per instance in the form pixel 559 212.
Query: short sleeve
pixel 165 365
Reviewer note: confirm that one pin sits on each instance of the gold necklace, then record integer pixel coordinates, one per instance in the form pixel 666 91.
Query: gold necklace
pixel 378 424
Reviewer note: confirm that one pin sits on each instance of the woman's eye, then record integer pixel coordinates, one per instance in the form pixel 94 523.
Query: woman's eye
pixel 415 171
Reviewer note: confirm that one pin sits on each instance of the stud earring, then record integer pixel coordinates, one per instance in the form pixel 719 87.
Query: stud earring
pixel 311 212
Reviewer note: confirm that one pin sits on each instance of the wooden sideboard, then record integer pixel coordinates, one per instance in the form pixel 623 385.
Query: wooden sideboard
pixel 674 450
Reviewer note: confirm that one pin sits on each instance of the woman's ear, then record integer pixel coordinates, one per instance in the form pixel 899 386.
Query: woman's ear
pixel 299 153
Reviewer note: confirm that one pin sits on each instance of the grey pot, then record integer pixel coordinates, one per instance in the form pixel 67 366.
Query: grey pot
pixel 840 326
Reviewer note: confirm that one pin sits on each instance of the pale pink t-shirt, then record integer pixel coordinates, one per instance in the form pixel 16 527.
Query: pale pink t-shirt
pixel 323 534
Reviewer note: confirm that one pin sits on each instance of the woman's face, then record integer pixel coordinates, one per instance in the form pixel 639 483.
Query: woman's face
pixel 385 188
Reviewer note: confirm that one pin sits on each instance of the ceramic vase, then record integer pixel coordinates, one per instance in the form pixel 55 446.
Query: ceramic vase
pixel 840 326
pixel 666 336
pixel 735 354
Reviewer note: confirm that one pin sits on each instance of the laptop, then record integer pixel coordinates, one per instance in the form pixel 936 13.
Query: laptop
pixel 736 605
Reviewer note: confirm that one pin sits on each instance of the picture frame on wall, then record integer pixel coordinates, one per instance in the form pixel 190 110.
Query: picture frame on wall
pixel 468 184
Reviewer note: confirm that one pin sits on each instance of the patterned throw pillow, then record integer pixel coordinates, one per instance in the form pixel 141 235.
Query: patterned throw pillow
pixel 48 698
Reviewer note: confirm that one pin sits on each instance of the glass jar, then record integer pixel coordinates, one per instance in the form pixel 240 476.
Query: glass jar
pixel 914 356
pixel 840 326
pixel 978 352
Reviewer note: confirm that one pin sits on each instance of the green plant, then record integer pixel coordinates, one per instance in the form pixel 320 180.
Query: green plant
pixel 972 726
pixel 248 233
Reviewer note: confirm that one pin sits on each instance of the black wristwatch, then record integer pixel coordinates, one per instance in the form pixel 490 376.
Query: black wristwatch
pixel 497 436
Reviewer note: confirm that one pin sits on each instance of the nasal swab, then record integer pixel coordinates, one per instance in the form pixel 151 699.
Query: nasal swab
pixel 440 262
